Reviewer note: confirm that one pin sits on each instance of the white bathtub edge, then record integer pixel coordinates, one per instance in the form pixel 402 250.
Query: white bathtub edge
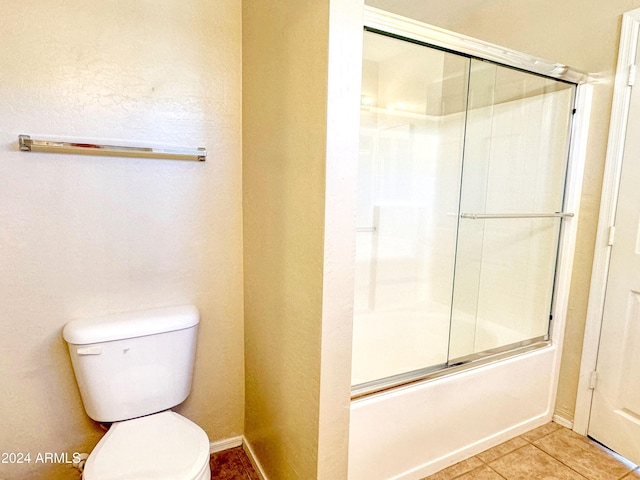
pixel 414 432
pixel 469 451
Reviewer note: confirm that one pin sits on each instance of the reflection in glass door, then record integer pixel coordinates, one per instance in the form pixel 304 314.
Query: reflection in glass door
pixel 462 169
pixel 411 145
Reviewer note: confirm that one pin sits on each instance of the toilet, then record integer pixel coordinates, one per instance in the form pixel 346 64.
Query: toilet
pixel 131 369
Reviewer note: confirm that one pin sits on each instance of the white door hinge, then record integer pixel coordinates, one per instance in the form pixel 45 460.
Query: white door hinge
pixel 593 380
pixel 632 75
pixel 612 235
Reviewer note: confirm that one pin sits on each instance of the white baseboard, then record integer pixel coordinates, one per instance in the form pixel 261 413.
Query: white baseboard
pixel 226 444
pixel 563 421
pixel 254 460
pixel 240 441
pixel 233 442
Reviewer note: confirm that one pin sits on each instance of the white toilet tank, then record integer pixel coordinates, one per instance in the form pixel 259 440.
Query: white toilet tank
pixel 133 364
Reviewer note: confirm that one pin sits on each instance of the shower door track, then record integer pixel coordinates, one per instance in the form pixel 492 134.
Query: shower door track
pixel 455 365
pixel 417 32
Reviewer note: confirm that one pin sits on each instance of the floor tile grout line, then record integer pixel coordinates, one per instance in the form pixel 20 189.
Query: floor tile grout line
pixel 563 463
pixel 244 472
pixel 637 469
pixel 538 443
pixel 529 442
pixel 560 427
pixel 511 451
pixel 570 467
pixel 500 456
pixel 243 461
pixel 235 463
pixel 474 469
pixel 496 472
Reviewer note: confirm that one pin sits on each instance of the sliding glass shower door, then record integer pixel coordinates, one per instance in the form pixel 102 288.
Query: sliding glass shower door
pixel 462 168
pixel 511 201
pixel 411 146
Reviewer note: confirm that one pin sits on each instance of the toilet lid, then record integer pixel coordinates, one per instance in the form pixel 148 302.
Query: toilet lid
pixel 164 446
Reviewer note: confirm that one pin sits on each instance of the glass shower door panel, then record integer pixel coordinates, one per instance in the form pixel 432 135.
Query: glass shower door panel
pixel 514 166
pixel 411 143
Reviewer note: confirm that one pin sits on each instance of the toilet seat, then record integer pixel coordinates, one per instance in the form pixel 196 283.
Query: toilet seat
pixel 163 446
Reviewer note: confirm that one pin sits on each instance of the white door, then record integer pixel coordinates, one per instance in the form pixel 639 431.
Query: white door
pixel 615 413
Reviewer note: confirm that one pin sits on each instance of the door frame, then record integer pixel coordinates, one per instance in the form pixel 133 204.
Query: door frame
pixel 606 219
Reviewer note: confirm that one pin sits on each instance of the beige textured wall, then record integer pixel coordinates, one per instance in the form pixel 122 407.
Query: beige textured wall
pixel 298 201
pixel 579 33
pixel 83 236
pixel 284 141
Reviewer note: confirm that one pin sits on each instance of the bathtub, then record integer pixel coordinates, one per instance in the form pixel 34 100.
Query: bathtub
pixel 411 432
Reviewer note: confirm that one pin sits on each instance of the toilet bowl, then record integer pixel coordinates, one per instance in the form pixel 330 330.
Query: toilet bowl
pixel 163 446
pixel 131 368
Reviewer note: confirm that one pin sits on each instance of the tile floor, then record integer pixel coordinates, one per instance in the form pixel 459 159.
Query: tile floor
pixel 547 452
pixel 232 464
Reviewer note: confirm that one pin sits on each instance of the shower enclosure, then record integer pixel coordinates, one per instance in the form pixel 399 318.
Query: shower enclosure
pixel 462 172
pixel 471 161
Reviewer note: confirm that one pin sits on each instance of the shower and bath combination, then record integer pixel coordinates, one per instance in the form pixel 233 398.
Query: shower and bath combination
pixel 462 173
pixel 470 168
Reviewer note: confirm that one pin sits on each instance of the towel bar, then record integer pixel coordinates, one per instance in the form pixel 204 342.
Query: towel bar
pixel 27 144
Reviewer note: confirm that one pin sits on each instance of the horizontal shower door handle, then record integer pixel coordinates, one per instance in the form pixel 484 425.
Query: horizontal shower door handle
pixel 487 216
